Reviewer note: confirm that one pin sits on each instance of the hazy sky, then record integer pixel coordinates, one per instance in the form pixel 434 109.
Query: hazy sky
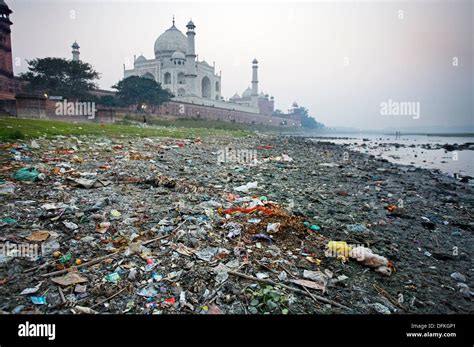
pixel 341 60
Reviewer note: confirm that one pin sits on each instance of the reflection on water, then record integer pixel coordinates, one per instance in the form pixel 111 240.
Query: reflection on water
pixel 411 150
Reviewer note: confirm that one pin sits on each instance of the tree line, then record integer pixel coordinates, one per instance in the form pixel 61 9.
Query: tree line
pixel 75 80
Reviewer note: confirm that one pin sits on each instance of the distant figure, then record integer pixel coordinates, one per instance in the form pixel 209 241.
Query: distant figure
pixel 144 120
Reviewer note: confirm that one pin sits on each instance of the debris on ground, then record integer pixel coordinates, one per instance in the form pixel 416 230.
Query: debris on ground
pixel 152 226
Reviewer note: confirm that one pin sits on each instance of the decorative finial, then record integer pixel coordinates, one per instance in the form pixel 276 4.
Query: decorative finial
pixel 173 20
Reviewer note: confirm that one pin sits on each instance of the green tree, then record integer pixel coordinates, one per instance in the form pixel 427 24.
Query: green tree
pixel 141 92
pixel 307 121
pixel 61 77
pixel 110 100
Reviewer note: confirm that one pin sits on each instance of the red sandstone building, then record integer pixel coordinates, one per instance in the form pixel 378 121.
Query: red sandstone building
pixel 9 85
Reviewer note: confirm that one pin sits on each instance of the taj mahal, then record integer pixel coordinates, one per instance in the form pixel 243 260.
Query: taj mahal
pixel 177 68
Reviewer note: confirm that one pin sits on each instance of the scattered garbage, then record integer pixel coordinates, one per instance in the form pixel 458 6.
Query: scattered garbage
pixel 357 228
pixel 9 220
pixel 28 174
pixel 458 277
pixel 7 188
pixel 206 254
pixel 365 256
pixel 246 187
pixel 63 259
pixel 313 227
pixel 71 225
pixel 31 290
pixel 261 237
pixel 82 182
pixel 379 308
pixel 233 229
pixel 40 235
pixel 310 284
pixel 83 310
pixel 148 292
pixel 113 277
pixel 69 279
pixel 103 227
pixel 273 227
pixel 318 277
pixel 248 210
pixel 38 300
pixel 149 227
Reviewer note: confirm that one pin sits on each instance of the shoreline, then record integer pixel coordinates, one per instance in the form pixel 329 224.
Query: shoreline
pixel 453 159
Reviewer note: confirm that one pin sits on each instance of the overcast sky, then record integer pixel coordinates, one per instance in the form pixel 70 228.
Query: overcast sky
pixel 341 60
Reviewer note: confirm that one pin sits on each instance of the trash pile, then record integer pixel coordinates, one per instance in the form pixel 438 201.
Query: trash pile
pixel 155 226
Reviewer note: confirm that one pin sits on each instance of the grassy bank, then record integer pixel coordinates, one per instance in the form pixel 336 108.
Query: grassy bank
pixel 208 124
pixel 12 128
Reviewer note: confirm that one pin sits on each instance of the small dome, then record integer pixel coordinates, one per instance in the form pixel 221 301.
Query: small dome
pixel 140 59
pixel 170 41
pixel 190 24
pixel 75 45
pixel 247 93
pixel 255 61
pixel 294 104
pixel 178 55
pixel 235 97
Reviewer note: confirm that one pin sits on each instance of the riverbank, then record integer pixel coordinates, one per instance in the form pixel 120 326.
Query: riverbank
pixel 165 215
pixel 12 128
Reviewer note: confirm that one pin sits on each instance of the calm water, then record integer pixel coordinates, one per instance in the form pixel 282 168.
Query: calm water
pixel 456 162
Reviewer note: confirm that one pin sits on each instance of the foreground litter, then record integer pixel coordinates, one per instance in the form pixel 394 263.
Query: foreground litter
pixel 154 226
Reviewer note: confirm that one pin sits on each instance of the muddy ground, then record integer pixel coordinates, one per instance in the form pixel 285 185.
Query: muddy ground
pixel 159 209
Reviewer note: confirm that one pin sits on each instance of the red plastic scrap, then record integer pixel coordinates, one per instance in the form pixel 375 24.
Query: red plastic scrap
pixel 265 147
pixel 170 301
pixel 248 210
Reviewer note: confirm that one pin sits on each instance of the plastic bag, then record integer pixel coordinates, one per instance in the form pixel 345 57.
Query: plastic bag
pixel 27 174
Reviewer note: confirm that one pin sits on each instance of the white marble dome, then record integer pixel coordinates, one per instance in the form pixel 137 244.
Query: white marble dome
pixel 140 59
pixel 170 41
pixel 247 93
pixel 178 55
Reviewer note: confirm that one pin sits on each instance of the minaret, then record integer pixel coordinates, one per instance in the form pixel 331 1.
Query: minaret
pixel 5 45
pixel 75 51
pixel 255 83
pixel 7 82
pixel 191 73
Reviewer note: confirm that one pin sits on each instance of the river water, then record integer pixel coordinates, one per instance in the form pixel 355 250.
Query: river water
pixel 456 162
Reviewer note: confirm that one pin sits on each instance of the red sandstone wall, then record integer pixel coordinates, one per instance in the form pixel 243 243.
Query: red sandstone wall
pixel 185 110
pixel 42 108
